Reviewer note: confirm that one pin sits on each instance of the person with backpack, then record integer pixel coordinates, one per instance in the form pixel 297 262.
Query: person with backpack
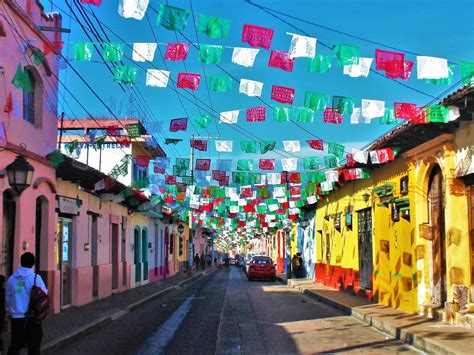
pixel 27 304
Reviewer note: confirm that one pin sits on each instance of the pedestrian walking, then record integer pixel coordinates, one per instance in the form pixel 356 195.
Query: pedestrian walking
pixel 300 265
pixel 24 331
pixel 203 262
pixel 294 266
pixel 196 261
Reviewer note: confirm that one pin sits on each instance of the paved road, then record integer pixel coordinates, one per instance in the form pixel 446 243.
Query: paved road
pixel 224 313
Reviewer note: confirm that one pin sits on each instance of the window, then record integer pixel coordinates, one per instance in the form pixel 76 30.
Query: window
pixel 139 173
pixel 171 243
pixel 29 100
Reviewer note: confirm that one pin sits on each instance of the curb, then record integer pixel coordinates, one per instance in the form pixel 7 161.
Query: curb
pixel 419 342
pixel 102 322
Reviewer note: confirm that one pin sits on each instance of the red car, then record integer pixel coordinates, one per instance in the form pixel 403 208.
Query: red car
pixel 261 267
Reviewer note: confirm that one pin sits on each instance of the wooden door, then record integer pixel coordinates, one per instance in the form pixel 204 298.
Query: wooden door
pixel 438 243
pixel 366 266
pixel 471 235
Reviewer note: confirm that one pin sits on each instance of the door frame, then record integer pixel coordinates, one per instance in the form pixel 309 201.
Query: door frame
pixel 61 221
pixel 366 259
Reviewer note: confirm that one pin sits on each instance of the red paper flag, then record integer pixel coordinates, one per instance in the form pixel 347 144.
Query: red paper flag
pixel 332 116
pixel 199 144
pixel 124 141
pixel 246 191
pixel 113 131
pixel 203 164
pixel 380 156
pixel 108 183
pixel 93 2
pixel 178 124
pixel 255 114
pixel 218 175
pixel 316 144
pixel 294 178
pixel 282 60
pixel 8 104
pixel 224 182
pixel 266 164
pixel 395 70
pixel 189 81
pixel 283 94
pixel 257 36
pixel 142 160
pixel 170 180
pixel 176 51
pixel 420 117
pixel 350 160
pixel 405 110
pixel 382 58
pixel 295 189
pixel 55 45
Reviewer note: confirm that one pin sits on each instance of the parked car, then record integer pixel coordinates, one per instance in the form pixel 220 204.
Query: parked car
pixel 232 261
pixel 261 267
pixel 248 260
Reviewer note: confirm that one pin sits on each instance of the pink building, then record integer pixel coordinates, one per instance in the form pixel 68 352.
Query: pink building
pixel 28 116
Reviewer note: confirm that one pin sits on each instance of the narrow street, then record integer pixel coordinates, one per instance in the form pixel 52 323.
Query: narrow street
pixel 224 313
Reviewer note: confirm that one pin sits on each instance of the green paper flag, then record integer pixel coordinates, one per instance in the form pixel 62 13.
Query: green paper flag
pixel 266 146
pixel 437 113
pixel 213 27
pixel 311 163
pixel 281 113
pixel 71 147
pixel 38 56
pixel 319 64
pixel 303 115
pixel 331 161
pixel 172 141
pixel 98 143
pixel 254 178
pixel 82 51
pixel 343 105
pixel 261 208
pixel 315 100
pixel 113 52
pixel 346 54
pixel 245 164
pixel 125 75
pixel 133 130
pixel 22 79
pixel 203 121
pixel 467 72
pixel 240 178
pixel 210 54
pixel 313 177
pixel 263 192
pixel 388 117
pixel 336 149
pixel 248 146
pixel 172 18
pixel 220 83
pixel 55 158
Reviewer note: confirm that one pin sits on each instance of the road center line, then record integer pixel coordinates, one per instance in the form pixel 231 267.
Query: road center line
pixel 158 341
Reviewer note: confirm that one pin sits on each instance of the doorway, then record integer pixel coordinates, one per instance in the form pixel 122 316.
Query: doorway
pixel 94 261
pixel 366 266
pixel 115 256
pixel 471 236
pixel 145 253
pixel 156 250
pixel 64 260
pixel 138 254
pixel 8 234
pixel 437 244
pixel 124 255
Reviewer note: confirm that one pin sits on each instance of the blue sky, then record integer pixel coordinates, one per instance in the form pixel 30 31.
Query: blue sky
pixel 432 28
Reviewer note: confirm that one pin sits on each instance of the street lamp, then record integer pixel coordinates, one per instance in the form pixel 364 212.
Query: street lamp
pixel 20 174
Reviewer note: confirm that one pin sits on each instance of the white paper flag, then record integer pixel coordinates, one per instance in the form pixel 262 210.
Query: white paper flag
pixel 358 70
pixel 291 146
pixel 292 204
pixel 224 146
pixel 133 8
pixel 157 78
pixel 190 190
pixel 279 191
pixel 250 87
pixel 229 117
pixel 332 175
pixel 355 117
pixel 360 156
pixel 302 46
pixel 311 199
pixel 453 113
pixel 289 164
pixel 242 202
pixel 143 52
pixel 234 209
pixel 244 56
pixel 274 178
pixel 373 108
pixel 431 68
pixel 326 186
pixel 99 185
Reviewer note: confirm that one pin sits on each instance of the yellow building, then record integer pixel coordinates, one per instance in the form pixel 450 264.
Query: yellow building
pixel 402 237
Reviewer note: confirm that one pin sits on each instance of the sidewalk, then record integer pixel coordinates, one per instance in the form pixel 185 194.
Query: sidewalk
pixel 75 322
pixel 424 333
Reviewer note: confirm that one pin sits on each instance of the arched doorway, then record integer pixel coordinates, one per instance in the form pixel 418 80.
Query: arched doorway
pixel 8 234
pixel 437 243
pixel 138 254
pixel 145 253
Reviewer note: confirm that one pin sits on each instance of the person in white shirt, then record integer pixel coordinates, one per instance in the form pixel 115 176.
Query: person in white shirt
pixel 17 299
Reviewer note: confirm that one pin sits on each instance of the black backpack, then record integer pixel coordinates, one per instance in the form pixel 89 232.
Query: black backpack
pixel 39 305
